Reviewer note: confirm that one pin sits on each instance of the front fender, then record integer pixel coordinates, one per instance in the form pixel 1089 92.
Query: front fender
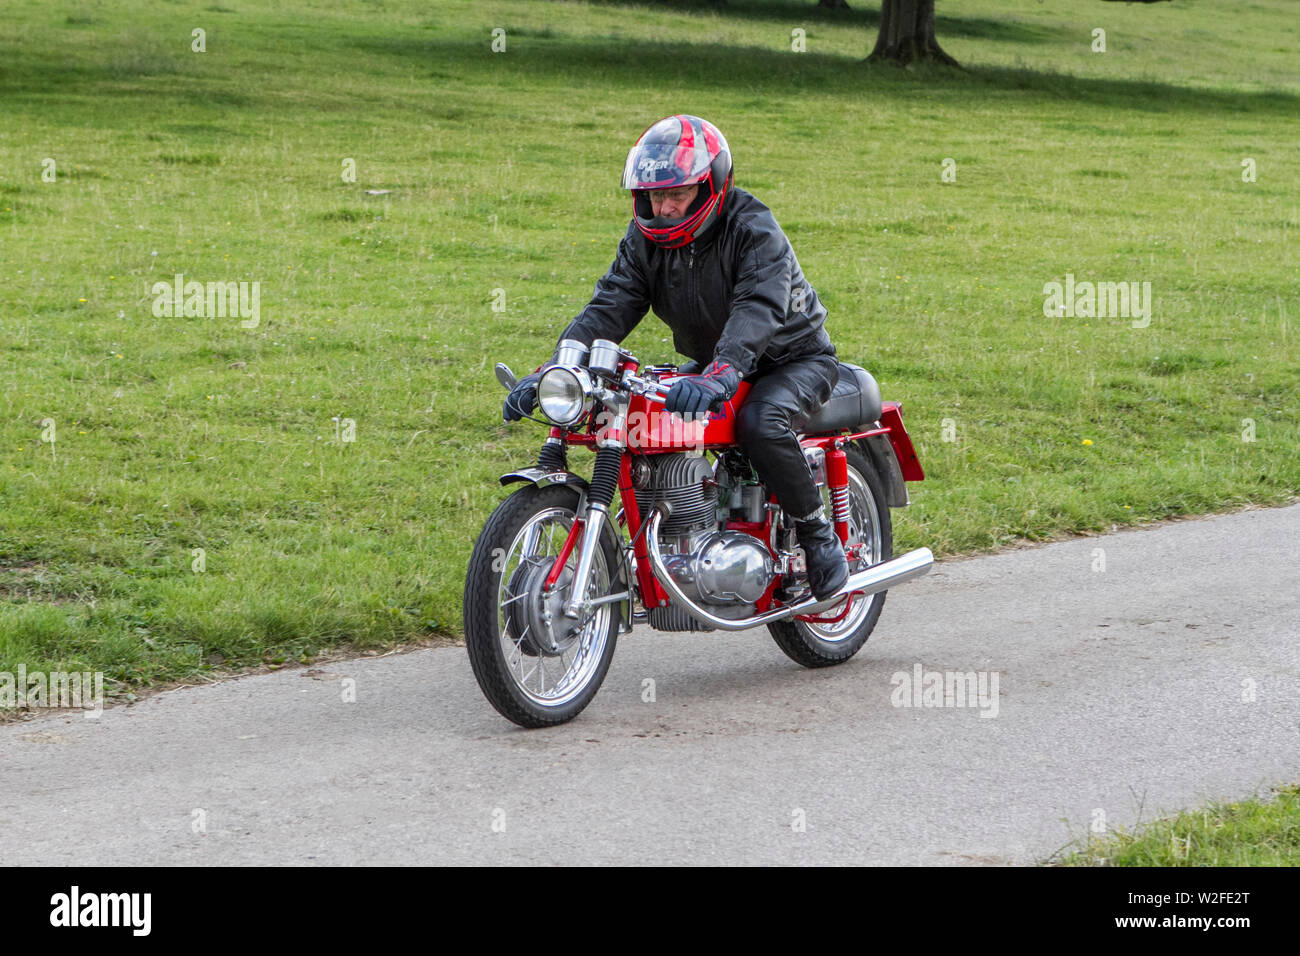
pixel 543 478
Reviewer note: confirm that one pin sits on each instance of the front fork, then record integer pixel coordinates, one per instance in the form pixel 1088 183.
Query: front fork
pixel 597 515
pixel 600 494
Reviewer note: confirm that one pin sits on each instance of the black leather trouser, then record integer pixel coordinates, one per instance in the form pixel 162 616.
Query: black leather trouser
pixel 778 405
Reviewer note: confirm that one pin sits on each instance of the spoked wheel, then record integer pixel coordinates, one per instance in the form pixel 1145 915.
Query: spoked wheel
pixel 820 645
pixel 535 665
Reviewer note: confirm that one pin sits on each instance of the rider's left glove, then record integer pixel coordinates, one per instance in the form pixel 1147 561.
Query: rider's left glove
pixel 696 394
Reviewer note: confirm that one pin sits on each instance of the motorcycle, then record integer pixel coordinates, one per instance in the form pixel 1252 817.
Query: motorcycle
pixel 698 543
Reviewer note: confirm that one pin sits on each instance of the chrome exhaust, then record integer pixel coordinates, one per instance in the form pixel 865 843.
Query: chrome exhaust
pixel 879 577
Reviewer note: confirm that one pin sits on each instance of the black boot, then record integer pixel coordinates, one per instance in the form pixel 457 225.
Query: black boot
pixel 827 569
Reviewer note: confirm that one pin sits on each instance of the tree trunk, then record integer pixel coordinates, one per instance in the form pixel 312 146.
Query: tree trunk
pixel 907 34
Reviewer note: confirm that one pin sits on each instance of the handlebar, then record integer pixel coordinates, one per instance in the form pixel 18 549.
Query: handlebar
pixel 654 391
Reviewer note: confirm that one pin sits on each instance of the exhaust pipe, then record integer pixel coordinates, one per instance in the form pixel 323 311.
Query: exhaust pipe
pixel 879 577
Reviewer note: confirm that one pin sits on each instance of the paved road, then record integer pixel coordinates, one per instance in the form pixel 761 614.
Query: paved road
pixel 1120 691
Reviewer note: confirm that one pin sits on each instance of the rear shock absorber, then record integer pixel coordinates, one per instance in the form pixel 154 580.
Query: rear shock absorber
pixel 837 479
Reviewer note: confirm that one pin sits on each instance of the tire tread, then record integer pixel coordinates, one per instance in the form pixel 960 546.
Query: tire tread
pixel 480 609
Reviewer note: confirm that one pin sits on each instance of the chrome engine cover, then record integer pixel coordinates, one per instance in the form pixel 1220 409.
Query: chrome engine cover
pixel 723 568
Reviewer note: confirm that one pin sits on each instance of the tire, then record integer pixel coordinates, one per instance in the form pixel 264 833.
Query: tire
pixel 821 645
pixel 500 607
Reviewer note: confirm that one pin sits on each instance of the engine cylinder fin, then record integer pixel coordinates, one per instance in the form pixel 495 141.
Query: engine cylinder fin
pixel 686 483
pixel 673 618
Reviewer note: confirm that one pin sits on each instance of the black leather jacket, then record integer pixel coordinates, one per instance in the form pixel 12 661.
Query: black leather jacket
pixel 735 294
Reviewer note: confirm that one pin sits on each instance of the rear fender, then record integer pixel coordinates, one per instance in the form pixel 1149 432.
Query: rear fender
pixel 893 455
pixel 881 454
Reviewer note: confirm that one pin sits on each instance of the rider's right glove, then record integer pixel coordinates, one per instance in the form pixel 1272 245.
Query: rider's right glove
pixel 522 398
pixel 696 394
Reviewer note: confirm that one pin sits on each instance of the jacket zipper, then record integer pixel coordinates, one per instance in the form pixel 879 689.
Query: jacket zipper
pixel 690 272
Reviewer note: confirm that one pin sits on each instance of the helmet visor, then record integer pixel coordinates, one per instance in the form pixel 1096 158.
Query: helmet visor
pixel 665 165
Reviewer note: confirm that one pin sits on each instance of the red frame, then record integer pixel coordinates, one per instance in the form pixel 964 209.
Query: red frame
pixel 666 436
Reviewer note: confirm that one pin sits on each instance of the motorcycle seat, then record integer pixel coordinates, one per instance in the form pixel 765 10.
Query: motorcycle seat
pixel 854 401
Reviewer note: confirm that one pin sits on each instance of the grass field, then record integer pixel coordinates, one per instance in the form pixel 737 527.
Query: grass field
pixel 201 505
pixel 1243 833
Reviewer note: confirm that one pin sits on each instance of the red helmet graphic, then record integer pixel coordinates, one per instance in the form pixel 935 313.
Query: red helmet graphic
pixel 677 151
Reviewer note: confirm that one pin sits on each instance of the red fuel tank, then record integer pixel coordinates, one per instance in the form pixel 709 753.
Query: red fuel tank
pixel 652 428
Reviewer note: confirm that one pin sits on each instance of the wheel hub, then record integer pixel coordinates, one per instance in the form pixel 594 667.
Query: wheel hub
pixel 536 617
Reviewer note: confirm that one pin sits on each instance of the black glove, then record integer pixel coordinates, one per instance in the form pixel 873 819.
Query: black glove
pixel 522 398
pixel 696 394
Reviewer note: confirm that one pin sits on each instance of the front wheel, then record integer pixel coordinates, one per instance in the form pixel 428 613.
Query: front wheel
pixel 534 665
pixel 820 645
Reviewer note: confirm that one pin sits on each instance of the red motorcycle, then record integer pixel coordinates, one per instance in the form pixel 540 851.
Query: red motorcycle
pixel 552 583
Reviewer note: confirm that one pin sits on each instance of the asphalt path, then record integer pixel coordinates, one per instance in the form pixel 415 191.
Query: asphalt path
pixel 1125 676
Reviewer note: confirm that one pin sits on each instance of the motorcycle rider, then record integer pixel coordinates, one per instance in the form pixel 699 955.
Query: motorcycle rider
pixel 714 265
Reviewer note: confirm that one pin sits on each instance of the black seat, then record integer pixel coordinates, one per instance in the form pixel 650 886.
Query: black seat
pixel 854 401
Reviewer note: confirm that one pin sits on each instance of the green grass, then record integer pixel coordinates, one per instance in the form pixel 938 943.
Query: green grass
pixel 1243 833
pixel 177 434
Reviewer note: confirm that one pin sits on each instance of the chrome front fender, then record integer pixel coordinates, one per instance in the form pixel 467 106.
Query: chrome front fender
pixel 542 478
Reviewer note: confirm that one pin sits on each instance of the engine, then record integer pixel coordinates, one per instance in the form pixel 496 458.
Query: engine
pixel 726 570
pixel 684 481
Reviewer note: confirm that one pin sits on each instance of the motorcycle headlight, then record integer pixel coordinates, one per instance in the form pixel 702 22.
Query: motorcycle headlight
pixel 564 394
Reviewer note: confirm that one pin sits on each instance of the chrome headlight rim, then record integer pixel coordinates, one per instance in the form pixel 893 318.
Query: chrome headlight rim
pixel 574 399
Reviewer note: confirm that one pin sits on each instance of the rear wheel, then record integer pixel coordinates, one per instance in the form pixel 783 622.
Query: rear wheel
pixel 536 666
pixel 820 645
